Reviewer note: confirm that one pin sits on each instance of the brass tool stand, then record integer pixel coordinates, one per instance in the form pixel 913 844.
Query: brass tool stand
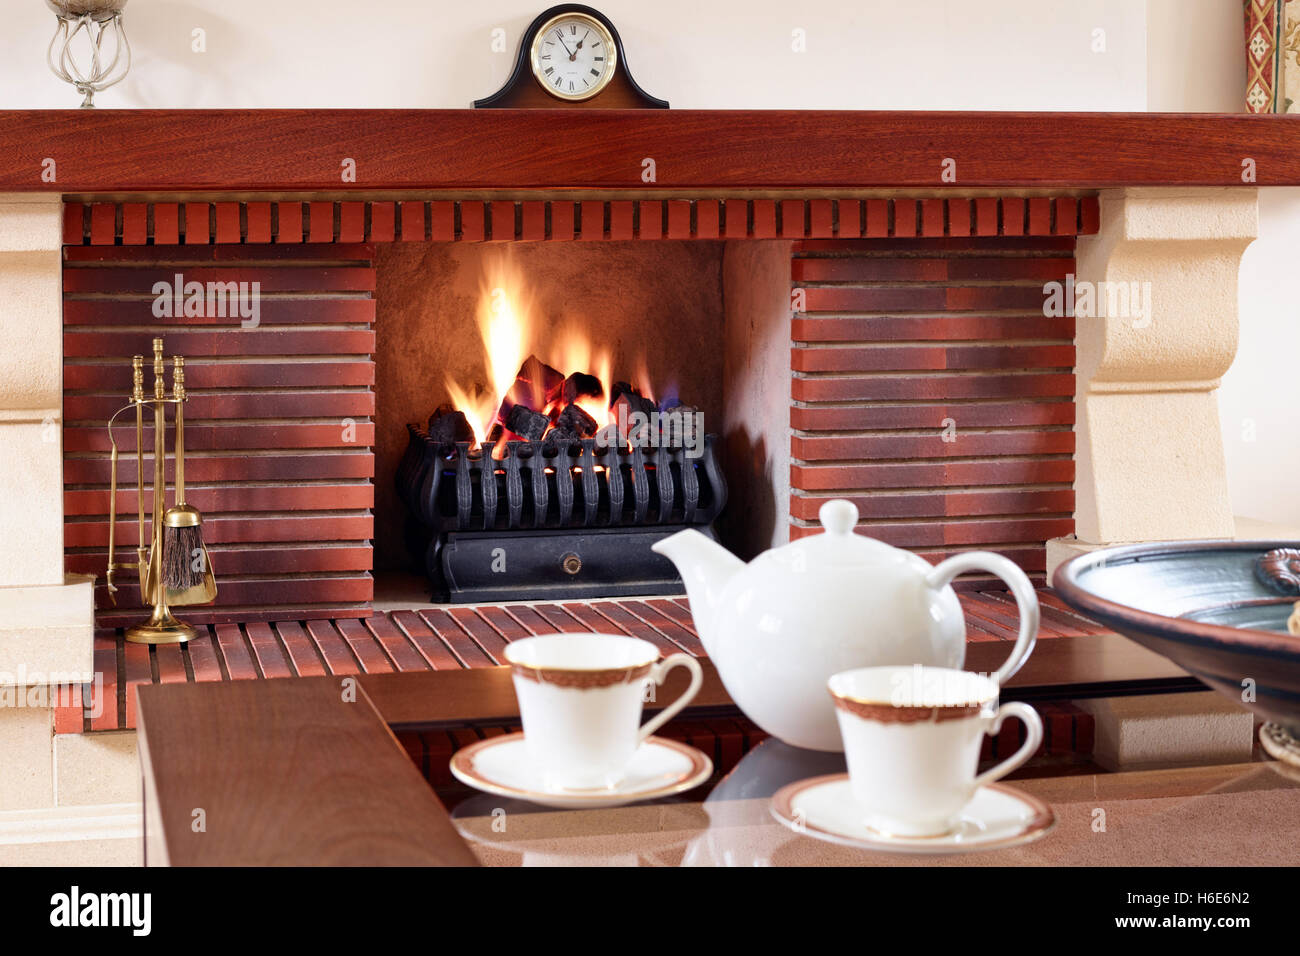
pixel 162 626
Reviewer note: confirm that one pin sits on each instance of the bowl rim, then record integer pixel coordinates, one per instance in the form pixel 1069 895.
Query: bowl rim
pixel 1065 581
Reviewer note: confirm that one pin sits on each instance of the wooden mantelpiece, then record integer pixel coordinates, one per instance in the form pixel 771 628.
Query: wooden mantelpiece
pixel 116 151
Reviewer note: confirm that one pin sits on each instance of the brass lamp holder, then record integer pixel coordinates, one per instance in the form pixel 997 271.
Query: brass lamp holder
pixel 162 627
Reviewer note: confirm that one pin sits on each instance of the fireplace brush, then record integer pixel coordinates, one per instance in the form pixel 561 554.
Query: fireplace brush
pixel 174 570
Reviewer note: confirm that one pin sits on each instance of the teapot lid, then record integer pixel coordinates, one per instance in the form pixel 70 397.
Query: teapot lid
pixel 837 544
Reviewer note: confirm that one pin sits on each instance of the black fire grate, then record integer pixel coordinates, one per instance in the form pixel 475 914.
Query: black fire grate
pixel 552 519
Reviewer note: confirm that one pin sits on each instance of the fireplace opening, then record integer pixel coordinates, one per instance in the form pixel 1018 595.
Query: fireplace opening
pixel 557 460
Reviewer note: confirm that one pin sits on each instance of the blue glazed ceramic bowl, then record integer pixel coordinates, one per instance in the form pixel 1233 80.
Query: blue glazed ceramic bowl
pixel 1218 609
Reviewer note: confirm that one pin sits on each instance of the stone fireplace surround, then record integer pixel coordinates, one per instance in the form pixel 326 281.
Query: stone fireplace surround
pixel 1148 453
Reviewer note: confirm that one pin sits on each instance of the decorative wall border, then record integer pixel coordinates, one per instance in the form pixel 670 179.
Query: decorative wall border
pixel 205 223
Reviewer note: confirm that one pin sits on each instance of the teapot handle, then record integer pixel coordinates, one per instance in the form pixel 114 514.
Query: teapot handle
pixel 1026 599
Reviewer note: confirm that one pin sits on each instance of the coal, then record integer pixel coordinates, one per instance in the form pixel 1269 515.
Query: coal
pixel 526 423
pixel 537 385
pixel 677 425
pixel 581 385
pixel 631 403
pixel 448 425
pixel 576 422
pixel 619 389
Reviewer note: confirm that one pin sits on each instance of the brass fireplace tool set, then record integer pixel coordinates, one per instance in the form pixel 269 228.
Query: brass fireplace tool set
pixel 174 569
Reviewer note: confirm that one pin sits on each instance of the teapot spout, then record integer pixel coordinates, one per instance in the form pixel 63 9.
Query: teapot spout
pixel 706 567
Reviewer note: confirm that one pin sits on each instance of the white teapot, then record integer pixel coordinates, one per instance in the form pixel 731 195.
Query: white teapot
pixel 779 627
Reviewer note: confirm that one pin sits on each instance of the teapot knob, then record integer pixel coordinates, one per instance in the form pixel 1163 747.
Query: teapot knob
pixel 838 516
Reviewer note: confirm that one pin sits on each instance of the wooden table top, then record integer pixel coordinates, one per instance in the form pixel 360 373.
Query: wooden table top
pixel 305 771
pixel 1224 816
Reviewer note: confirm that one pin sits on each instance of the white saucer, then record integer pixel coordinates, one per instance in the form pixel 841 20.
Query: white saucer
pixel 996 817
pixel 659 768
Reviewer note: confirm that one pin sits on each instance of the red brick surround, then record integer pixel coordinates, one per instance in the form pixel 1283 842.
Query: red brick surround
pixel 930 389
pixel 279 426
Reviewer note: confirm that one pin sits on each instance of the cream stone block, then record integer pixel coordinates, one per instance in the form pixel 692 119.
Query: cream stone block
pixel 31 327
pixel 26 757
pixel 1156 466
pixel 47 633
pixel 100 835
pixel 1060 550
pixel 31 222
pixel 1166 730
pixel 31 503
pixel 96 768
pixel 1150 461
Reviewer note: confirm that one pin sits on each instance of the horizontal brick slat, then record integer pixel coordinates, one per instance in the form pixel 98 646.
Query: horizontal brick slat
pixel 945 503
pixel 259 560
pixel 141 281
pixel 935 387
pixel 930 474
pixel 319 403
pixel 812 328
pixel 338 371
pixel 213 501
pixel 843 298
pixel 250 435
pixel 885 268
pixel 968 445
pixel 242 466
pixel 876 358
pixel 221 529
pixel 865 417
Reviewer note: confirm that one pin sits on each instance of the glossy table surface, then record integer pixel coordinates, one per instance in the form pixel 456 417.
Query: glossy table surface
pixel 1230 815
pixel 306 771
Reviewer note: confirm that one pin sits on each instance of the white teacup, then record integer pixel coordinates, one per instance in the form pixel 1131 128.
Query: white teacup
pixel 912 740
pixel 580 699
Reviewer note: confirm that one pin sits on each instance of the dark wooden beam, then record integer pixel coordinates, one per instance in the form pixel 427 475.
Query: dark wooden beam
pixel 113 151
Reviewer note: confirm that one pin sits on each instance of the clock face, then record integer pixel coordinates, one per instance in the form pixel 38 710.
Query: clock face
pixel 573 56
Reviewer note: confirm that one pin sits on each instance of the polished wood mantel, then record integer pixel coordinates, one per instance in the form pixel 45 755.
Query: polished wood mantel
pixel 279 151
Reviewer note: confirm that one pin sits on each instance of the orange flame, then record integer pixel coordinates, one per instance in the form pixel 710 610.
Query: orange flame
pixel 502 326
pixel 510 335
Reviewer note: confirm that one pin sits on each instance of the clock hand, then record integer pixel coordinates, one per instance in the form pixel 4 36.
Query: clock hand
pixel 565 45
pixel 584 37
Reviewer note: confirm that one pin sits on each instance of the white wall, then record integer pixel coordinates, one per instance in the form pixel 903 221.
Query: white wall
pixel 1196 56
pixel 863 54
pixel 1261 425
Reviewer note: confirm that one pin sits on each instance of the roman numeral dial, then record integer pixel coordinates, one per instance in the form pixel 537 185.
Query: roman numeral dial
pixel 573 56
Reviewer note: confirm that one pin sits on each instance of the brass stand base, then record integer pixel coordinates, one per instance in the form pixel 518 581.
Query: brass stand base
pixel 172 633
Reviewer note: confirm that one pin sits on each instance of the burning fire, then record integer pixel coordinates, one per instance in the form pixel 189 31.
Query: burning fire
pixel 510 337
pixel 503 333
